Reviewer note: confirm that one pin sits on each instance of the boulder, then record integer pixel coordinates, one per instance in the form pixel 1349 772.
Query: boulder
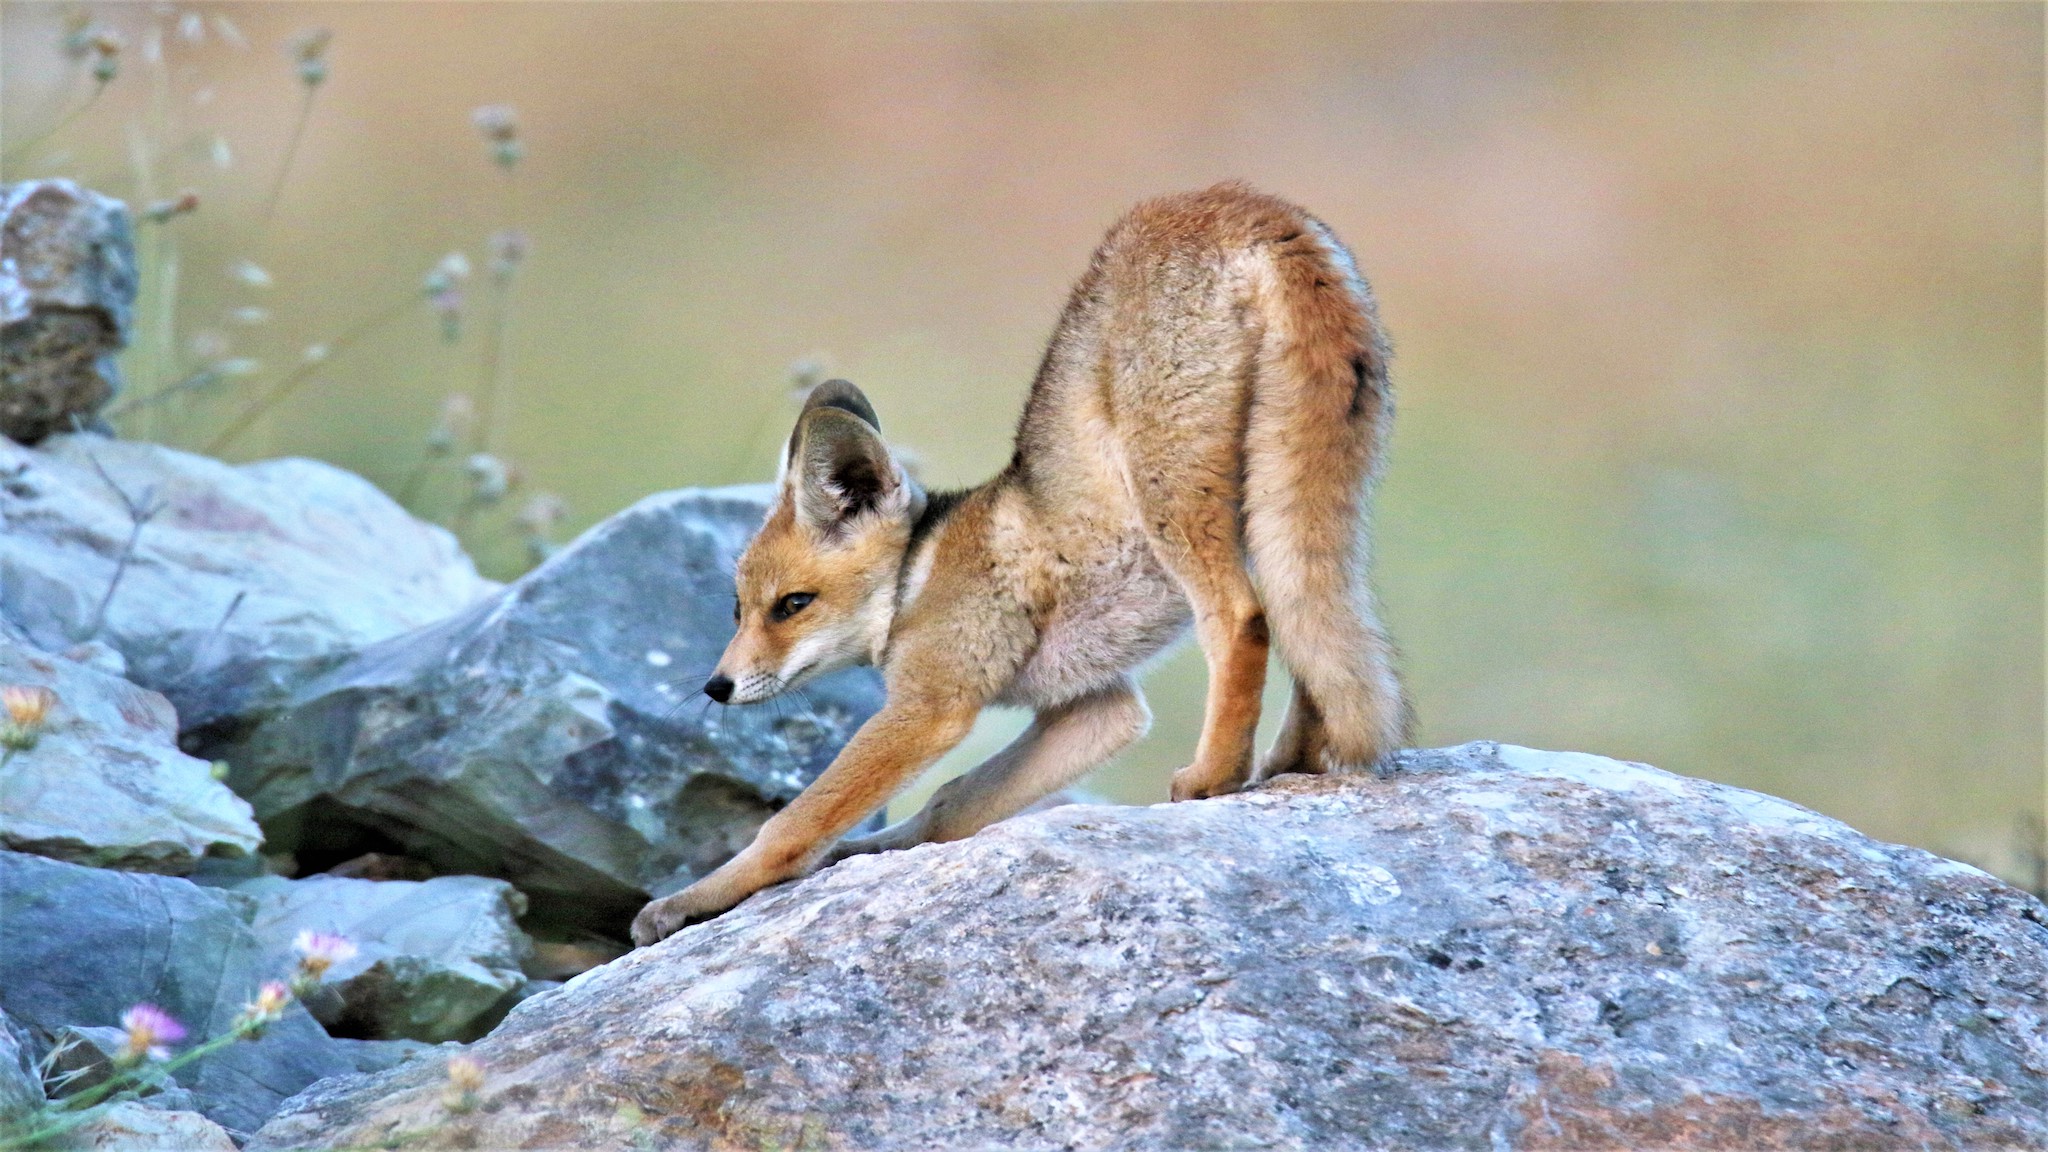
pixel 67 298
pixel 79 946
pixel 553 735
pixel 105 783
pixel 1491 948
pixel 433 957
pixel 246 581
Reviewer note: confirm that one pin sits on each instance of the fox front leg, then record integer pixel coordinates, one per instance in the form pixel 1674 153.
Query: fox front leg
pixel 895 744
pixel 722 890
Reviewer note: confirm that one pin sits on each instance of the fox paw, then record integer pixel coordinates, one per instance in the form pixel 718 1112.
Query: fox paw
pixel 1197 782
pixel 671 914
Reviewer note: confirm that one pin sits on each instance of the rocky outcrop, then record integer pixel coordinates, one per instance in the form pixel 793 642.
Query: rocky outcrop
pixel 433 957
pixel 553 735
pixel 105 784
pixel 79 946
pixel 241 584
pixel 1491 948
pixel 67 299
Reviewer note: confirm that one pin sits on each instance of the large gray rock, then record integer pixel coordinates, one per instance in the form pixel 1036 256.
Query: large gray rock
pixel 105 785
pixel 1492 949
pixel 249 581
pixel 79 946
pixel 67 298
pixel 433 956
pixel 553 735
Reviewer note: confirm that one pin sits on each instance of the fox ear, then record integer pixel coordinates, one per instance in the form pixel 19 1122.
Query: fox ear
pixel 840 394
pixel 838 466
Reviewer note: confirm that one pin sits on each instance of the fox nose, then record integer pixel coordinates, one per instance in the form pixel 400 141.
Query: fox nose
pixel 719 688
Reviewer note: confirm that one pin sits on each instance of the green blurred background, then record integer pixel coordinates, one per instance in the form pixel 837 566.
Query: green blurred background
pixel 1719 328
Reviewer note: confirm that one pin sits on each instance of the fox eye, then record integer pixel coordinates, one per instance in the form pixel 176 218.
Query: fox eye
pixel 735 611
pixel 792 604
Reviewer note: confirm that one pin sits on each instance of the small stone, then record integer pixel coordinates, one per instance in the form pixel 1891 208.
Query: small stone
pixel 67 298
pixel 129 1126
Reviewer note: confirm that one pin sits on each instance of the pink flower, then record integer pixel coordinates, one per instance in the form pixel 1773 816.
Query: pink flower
pixel 151 1031
pixel 319 951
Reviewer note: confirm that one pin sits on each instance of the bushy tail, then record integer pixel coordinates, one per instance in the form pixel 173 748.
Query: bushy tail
pixel 1320 411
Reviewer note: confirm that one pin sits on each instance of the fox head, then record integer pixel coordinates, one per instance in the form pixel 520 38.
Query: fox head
pixel 816 589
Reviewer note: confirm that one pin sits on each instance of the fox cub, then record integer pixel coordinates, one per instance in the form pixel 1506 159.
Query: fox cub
pixel 1201 441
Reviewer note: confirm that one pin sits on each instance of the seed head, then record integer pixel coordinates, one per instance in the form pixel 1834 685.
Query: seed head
pixel 542 511
pixel 489 478
pixel 443 286
pixel 499 125
pixel 151 1032
pixel 457 413
pixel 251 273
pixel 230 31
pixel 78 32
pixel 465 1080
pixel 208 344
pixel 163 211
pixel 508 250
pixel 106 55
pixel 805 374
pixel 309 51
pixel 28 710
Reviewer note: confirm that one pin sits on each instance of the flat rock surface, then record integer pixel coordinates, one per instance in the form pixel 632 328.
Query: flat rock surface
pixel 247 582
pixel 1493 948
pixel 554 735
pixel 105 784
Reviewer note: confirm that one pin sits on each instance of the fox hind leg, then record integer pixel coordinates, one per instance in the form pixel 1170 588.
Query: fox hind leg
pixel 1184 467
pixel 1300 745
